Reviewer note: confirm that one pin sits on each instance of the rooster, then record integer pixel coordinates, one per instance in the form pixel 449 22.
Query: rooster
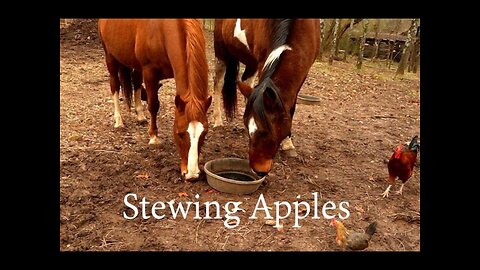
pixel 353 240
pixel 401 164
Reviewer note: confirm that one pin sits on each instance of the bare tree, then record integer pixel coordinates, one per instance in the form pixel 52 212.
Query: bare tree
pixel 334 44
pixel 362 45
pixel 407 48
pixel 415 55
pixel 376 29
pixel 341 30
pixel 391 45
pixel 348 40
pixel 322 38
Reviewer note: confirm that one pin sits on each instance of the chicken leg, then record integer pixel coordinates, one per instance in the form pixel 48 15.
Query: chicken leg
pixel 400 190
pixel 385 193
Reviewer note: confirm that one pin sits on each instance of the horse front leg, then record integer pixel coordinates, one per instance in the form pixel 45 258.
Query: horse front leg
pixel 151 84
pixel 286 146
pixel 218 82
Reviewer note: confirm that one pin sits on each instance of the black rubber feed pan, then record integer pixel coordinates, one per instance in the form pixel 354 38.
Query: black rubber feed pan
pixel 232 175
pixel 308 100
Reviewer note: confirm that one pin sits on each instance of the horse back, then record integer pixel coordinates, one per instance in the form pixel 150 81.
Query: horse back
pixel 141 43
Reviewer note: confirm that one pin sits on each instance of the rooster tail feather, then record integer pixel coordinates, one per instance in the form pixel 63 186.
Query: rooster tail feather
pixel 414 144
pixel 371 229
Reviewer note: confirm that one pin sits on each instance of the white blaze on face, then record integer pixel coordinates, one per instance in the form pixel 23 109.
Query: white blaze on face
pixel 195 129
pixel 275 54
pixel 252 126
pixel 240 34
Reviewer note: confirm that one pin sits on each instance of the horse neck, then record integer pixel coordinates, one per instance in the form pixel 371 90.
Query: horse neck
pixel 289 78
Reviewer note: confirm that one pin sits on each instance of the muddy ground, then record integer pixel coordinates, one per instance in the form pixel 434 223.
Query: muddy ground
pixel 343 146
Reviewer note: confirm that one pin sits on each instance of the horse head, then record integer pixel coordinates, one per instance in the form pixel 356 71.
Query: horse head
pixel 189 130
pixel 267 122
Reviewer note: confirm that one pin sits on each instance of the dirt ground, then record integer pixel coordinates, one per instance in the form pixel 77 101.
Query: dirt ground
pixel 343 146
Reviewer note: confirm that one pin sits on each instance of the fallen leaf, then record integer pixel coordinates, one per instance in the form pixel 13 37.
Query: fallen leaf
pixel 212 190
pixel 359 209
pixel 270 222
pixel 182 194
pixel 143 176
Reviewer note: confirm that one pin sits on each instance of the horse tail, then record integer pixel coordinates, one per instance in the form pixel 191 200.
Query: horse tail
pixel 229 90
pixel 197 68
pixel 126 82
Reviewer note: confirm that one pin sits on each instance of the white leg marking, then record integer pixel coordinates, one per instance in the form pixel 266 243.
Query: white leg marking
pixel 220 69
pixel 139 105
pixel 287 144
pixel 275 54
pixel 154 140
pixel 252 127
pixel 195 129
pixel 385 193
pixel 116 111
pixel 240 34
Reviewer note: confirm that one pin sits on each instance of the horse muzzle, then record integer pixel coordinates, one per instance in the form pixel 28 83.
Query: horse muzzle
pixel 261 168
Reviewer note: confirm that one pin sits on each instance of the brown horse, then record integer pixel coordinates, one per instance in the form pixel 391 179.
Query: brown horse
pixel 281 52
pixel 152 50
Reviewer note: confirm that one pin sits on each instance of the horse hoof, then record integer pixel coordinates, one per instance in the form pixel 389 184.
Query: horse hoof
pixel 217 124
pixel 119 126
pixel 290 153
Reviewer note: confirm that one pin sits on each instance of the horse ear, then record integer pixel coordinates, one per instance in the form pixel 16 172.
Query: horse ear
pixel 245 89
pixel 208 103
pixel 179 103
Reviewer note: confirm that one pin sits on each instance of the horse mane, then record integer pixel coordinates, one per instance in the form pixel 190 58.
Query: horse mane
pixel 197 70
pixel 280 32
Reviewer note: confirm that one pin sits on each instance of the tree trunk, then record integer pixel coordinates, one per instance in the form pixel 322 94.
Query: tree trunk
pixel 414 56
pixel 391 46
pixel 407 48
pixel 337 37
pixel 375 50
pixel 362 45
pixel 417 63
pixel 334 44
pixel 349 45
pixel 322 38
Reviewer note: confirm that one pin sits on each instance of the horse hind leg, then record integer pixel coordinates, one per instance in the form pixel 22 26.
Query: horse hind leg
pixel 125 75
pixel 113 67
pixel 220 69
pixel 138 88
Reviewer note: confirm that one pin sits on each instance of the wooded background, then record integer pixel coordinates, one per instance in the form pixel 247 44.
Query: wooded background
pixel 396 42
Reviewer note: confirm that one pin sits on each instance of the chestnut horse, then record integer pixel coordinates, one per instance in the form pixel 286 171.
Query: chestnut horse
pixel 156 49
pixel 281 52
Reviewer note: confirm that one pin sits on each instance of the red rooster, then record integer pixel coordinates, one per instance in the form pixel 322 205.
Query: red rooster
pixel 401 164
